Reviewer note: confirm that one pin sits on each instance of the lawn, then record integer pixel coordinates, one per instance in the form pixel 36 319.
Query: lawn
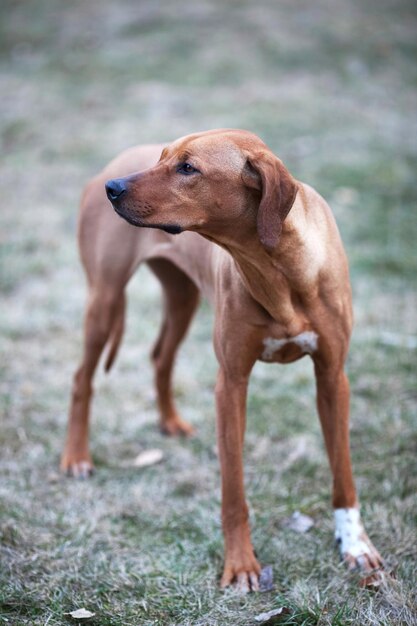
pixel 331 86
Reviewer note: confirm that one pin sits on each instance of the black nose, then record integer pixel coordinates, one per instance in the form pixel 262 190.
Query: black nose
pixel 115 188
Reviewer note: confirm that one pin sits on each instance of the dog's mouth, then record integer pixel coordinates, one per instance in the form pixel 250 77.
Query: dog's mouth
pixel 127 214
pixel 136 220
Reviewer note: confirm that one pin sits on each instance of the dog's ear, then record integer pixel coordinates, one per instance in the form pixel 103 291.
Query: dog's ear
pixel 265 172
pixel 164 154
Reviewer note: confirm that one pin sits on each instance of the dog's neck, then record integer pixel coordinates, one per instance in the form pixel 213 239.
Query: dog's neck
pixel 271 277
pixel 266 278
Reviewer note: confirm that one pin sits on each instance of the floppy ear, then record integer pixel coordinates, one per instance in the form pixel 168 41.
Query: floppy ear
pixel 264 171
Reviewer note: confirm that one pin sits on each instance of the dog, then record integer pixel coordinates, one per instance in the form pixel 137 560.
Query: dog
pixel 265 250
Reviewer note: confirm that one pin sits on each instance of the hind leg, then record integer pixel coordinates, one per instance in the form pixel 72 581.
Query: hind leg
pixel 181 298
pixel 104 312
pixel 109 250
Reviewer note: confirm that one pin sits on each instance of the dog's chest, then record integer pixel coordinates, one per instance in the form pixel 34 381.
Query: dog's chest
pixel 286 349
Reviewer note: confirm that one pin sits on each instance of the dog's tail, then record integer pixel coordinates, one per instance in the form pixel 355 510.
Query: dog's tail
pixel 116 334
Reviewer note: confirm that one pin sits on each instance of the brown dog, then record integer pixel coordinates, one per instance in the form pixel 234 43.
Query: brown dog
pixel 278 280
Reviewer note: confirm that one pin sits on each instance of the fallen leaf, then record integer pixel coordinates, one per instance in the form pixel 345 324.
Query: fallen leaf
pixel 149 457
pixel 271 617
pixel 54 477
pixel 80 614
pixel 299 522
pixel 266 579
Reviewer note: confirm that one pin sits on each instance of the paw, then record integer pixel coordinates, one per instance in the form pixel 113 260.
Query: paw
pixel 356 549
pixel 363 556
pixel 242 575
pixel 77 466
pixel 175 427
pixel 367 561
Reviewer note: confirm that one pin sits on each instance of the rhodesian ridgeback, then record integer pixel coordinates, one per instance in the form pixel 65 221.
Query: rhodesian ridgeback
pixel 278 280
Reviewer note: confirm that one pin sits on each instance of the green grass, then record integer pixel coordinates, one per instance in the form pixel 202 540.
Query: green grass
pixel 331 87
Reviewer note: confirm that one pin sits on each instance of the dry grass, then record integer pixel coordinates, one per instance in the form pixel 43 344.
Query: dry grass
pixel 331 86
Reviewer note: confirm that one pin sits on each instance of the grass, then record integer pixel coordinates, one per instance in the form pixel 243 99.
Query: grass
pixel 331 88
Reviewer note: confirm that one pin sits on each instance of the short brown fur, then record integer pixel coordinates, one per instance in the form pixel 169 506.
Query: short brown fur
pixel 279 270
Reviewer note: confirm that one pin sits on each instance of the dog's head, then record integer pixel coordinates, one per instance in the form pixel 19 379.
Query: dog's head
pixel 214 183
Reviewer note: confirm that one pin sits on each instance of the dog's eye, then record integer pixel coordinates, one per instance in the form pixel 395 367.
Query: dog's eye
pixel 186 168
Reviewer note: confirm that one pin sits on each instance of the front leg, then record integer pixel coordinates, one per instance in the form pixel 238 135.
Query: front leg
pixel 356 548
pixel 241 566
